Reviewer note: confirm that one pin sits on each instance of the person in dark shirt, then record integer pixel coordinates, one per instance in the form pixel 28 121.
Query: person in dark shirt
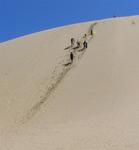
pixel 71 57
pixel 72 41
pixel 85 44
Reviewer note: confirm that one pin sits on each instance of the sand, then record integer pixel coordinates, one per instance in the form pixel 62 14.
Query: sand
pixel 89 105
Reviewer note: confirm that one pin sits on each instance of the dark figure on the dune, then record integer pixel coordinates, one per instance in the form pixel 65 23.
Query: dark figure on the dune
pixel 78 44
pixel 85 44
pixel 71 57
pixel 91 32
pixel 85 36
pixel 72 41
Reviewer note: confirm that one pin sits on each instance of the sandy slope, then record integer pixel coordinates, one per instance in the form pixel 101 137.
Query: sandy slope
pixel 92 104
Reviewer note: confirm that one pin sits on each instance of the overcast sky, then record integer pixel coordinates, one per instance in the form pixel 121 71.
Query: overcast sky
pixel 21 17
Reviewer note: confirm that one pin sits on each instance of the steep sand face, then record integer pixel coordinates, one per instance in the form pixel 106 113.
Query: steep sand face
pixel 92 104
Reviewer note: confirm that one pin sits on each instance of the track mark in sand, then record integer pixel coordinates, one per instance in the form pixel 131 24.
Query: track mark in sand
pixel 58 74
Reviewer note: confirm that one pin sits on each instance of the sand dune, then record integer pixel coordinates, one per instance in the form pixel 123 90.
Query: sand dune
pixel 90 104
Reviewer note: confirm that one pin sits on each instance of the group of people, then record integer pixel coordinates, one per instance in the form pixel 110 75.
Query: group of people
pixel 79 44
pixel 85 45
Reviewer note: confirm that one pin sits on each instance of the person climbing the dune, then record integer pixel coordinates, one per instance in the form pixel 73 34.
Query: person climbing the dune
pixel 85 44
pixel 71 57
pixel 78 44
pixel 85 36
pixel 91 32
pixel 72 41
